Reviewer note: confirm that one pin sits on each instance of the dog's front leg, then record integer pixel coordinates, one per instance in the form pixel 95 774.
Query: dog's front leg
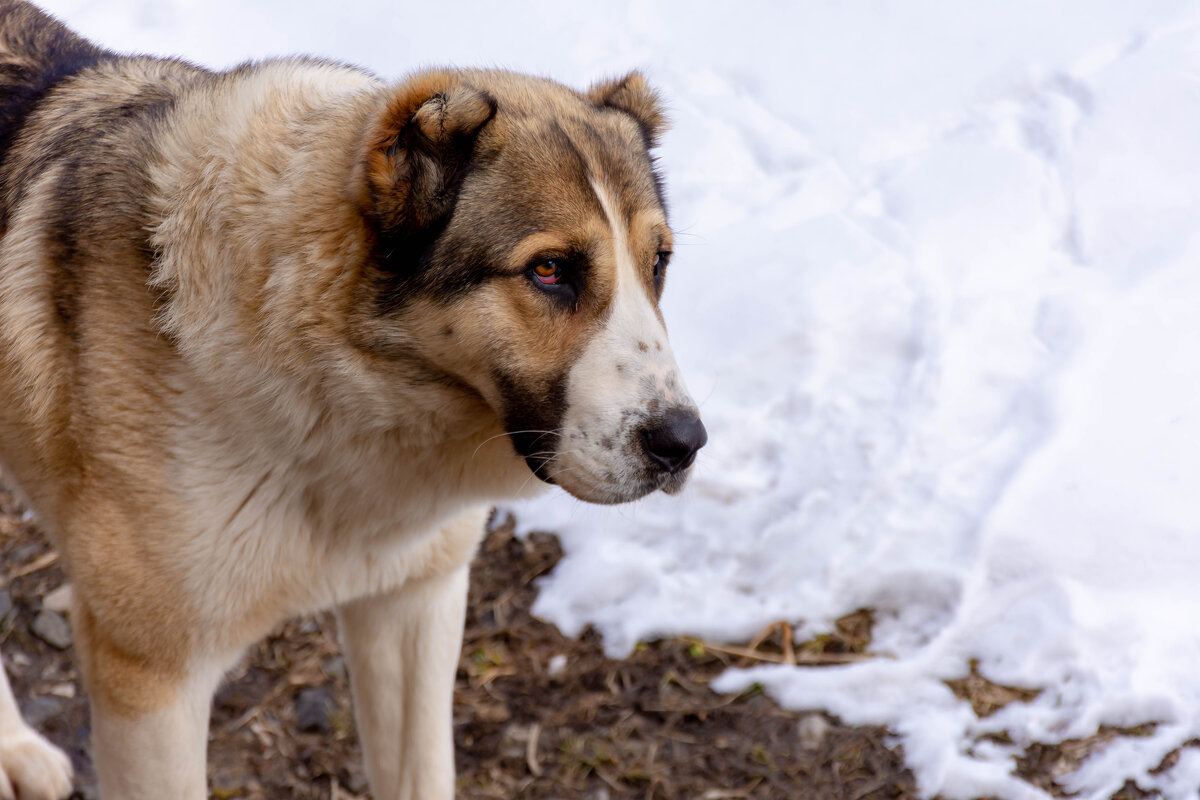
pixel 403 649
pixel 149 718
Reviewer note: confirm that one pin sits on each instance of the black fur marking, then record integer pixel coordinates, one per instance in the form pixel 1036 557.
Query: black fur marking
pixel 36 54
pixel 491 211
pixel 529 412
pixel 408 259
pixel 87 180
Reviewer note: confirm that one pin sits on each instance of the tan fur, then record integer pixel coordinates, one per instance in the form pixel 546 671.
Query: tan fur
pixel 268 339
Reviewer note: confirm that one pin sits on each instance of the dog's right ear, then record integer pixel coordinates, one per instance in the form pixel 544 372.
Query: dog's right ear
pixel 418 149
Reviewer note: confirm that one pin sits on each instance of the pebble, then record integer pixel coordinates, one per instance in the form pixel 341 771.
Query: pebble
pixel 314 710
pixel 39 710
pixel 51 628
pixel 354 779
pixel 334 667
pixel 813 730
pixel 25 553
pixel 59 600
pixel 557 666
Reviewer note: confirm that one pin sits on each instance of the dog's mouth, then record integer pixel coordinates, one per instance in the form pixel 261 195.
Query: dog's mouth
pixel 540 466
pixel 648 454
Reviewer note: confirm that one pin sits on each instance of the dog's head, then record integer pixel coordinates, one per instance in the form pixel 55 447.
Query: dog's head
pixel 522 250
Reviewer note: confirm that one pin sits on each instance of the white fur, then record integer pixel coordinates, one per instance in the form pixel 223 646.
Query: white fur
pixel 622 371
pixel 402 649
pixel 30 767
pixel 161 754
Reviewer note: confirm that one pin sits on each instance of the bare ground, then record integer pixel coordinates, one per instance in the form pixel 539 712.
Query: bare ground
pixel 537 715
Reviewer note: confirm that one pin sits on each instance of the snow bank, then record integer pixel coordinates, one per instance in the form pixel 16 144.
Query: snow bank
pixel 937 291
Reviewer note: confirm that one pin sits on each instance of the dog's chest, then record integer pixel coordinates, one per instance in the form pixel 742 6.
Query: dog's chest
pixel 274 535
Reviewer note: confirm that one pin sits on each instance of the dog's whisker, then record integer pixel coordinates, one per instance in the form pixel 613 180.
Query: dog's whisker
pixel 512 433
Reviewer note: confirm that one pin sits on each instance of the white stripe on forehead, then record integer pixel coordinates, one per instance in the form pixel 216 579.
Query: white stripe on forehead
pixel 630 299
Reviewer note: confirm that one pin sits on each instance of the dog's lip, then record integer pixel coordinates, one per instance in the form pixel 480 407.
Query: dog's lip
pixel 590 486
pixel 541 469
pixel 603 492
pixel 612 496
pixel 675 483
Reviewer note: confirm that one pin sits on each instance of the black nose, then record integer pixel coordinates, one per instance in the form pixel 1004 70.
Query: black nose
pixel 672 440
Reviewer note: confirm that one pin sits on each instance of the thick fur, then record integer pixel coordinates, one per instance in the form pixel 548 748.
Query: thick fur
pixel 272 339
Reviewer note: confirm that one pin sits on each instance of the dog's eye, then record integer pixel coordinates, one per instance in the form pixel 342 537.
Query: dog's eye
pixel 548 272
pixel 557 278
pixel 660 267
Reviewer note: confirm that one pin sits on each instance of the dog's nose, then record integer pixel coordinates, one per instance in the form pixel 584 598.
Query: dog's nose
pixel 673 439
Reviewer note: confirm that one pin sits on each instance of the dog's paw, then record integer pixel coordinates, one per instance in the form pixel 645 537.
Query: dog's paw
pixel 31 768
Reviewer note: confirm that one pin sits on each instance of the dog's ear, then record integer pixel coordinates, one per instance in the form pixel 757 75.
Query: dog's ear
pixel 634 96
pixel 419 148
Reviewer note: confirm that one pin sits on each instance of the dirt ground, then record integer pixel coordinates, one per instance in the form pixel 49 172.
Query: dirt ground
pixel 537 715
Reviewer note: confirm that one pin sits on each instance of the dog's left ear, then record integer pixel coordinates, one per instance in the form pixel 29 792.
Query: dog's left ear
pixel 634 96
pixel 419 147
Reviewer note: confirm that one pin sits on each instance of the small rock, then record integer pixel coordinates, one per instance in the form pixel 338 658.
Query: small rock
pixel 353 779
pixel 51 628
pixel 557 666
pixel 334 667
pixel 813 730
pixel 58 600
pixel 314 711
pixel 66 690
pixel 39 710
pixel 25 553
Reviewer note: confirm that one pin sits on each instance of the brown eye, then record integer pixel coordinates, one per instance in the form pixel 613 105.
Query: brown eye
pixel 558 278
pixel 547 273
pixel 660 266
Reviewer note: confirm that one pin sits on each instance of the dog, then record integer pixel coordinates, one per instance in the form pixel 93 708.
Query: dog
pixel 274 339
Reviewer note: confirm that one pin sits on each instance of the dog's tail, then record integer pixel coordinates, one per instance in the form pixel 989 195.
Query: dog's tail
pixel 36 52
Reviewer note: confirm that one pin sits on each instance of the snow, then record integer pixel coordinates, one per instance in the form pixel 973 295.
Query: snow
pixel 937 292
